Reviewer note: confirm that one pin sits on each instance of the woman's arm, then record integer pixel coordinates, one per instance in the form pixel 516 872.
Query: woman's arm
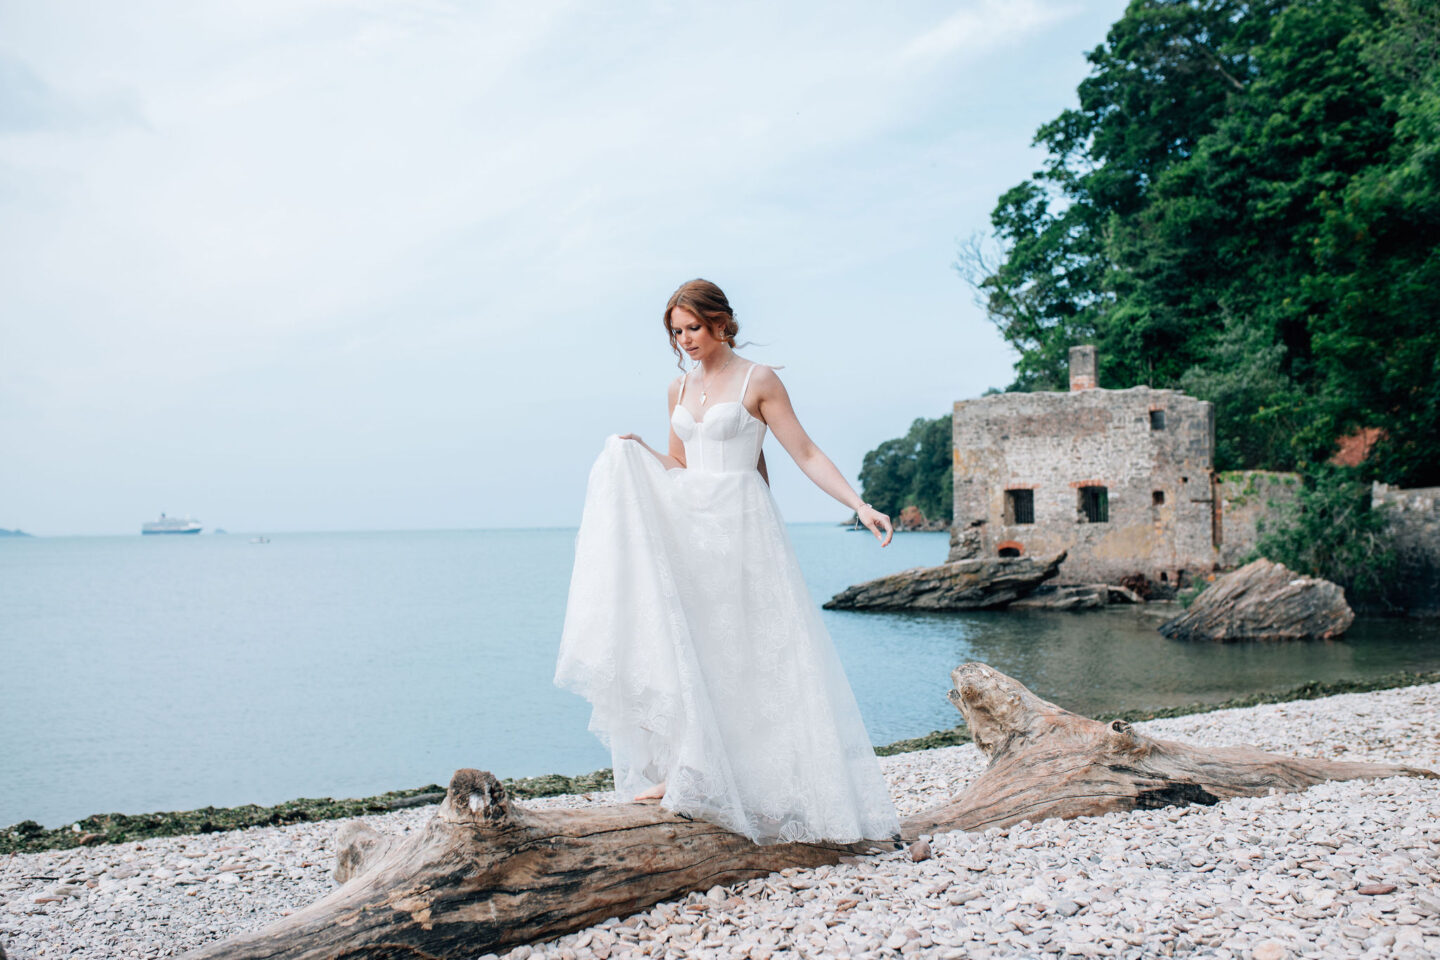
pixel 676 457
pixel 773 402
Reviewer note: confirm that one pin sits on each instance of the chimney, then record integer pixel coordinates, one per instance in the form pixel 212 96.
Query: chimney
pixel 1082 368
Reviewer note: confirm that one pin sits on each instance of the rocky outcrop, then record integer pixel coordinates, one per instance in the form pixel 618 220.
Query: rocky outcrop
pixel 912 518
pixel 1069 596
pixel 963 585
pixel 1076 596
pixel 1264 601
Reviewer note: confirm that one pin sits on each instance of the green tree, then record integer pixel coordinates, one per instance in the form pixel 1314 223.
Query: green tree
pixel 913 470
pixel 1246 204
pixel 1377 266
pixel 1164 77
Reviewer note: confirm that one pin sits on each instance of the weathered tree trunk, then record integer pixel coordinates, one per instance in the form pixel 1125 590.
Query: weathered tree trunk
pixel 1048 762
pixel 486 873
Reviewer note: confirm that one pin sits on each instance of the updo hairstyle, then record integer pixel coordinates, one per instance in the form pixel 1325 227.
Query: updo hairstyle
pixel 708 303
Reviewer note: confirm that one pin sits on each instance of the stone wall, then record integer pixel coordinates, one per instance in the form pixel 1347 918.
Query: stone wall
pixel 1251 501
pixel 1151 451
pixel 1414 522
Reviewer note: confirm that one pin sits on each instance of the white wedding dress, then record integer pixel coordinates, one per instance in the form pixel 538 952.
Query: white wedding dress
pixel 690 630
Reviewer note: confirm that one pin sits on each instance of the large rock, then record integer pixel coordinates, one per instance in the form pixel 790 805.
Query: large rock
pixel 1264 601
pixel 1076 596
pixel 1070 596
pixel 963 585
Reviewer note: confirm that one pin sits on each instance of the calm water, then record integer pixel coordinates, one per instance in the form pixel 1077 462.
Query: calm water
pixel 165 673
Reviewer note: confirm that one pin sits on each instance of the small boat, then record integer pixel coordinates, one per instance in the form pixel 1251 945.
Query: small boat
pixel 171 525
pixel 259 539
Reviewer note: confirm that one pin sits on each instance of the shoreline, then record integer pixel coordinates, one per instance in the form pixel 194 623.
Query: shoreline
pixel 1344 869
pixel 27 837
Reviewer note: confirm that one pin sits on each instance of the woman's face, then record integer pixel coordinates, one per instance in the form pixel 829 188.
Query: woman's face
pixel 692 334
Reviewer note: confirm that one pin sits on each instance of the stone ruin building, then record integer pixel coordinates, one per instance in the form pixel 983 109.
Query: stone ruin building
pixel 1122 480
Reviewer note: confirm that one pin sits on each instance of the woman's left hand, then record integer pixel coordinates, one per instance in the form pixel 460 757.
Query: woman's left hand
pixel 876 521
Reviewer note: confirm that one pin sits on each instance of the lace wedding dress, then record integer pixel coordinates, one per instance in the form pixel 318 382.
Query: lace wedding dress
pixel 690 630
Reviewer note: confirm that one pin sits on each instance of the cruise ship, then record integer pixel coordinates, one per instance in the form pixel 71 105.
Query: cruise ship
pixel 170 525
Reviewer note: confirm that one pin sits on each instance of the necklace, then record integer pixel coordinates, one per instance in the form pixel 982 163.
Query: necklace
pixel 704 390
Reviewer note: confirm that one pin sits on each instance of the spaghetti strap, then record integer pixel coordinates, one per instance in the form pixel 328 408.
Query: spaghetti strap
pixel 684 379
pixel 744 386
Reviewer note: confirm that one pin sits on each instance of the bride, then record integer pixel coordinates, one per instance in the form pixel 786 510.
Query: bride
pixel 689 627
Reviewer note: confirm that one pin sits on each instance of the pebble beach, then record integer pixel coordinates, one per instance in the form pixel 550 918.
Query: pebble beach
pixel 1342 870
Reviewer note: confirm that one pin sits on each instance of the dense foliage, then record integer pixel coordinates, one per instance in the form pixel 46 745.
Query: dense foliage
pixel 1246 205
pixel 913 470
pixel 1331 531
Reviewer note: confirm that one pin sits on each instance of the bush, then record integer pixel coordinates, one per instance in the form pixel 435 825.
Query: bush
pixel 1332 531
pixel 1190 593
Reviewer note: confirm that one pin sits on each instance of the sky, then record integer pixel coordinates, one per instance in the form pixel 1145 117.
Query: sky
pixel 288 265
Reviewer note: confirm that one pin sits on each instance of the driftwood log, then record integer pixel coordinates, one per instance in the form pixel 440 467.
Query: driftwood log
pixel 487 873
pixel 1048 762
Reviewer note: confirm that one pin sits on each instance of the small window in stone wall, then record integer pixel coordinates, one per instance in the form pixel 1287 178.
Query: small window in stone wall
pixel 1157 419
pixel 1158 498
pixel 1019 506
pixel 1009 552
pixel 1094 505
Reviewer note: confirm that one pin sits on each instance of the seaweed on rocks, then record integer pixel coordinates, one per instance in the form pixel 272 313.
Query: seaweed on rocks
pixel 30 837
pixel 954 737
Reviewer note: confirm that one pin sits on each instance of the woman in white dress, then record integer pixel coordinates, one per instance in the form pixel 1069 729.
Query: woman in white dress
pixel 689 626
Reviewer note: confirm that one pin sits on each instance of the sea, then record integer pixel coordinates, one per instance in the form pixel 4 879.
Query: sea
pixel 141 674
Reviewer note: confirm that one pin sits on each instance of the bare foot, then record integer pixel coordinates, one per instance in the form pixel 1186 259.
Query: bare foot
pixel 656 792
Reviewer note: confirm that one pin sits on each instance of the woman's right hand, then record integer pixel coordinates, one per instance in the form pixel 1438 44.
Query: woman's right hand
pixel 876 521
pixel 632 436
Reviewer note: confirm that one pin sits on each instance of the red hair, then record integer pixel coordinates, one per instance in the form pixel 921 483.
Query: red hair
pixel 708 303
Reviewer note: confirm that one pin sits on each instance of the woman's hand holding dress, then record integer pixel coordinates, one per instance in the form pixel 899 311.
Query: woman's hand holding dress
pixel 668 462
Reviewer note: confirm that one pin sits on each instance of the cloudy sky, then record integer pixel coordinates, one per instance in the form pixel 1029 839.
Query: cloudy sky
pixel 363 264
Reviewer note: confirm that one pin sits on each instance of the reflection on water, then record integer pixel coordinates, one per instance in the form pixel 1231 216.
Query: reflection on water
pixel 1108 660
pixel 1115 660
pixel 1092 661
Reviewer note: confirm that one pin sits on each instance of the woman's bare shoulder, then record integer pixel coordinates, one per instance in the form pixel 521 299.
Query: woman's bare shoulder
pixel 764 377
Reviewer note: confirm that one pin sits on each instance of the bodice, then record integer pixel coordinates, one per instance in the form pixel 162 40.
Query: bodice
pixel 727 440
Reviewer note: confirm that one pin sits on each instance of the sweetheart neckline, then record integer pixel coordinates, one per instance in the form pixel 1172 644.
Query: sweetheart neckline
pixel 681 406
